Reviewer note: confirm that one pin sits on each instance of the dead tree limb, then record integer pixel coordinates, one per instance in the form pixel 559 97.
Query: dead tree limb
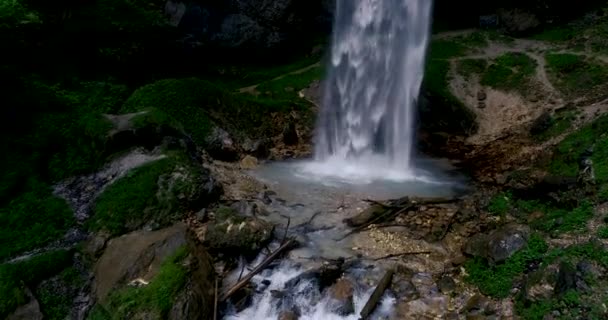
pixel 239 285
pixel 371 304
pixel 286 229
pixel 215 300
pixel 395 255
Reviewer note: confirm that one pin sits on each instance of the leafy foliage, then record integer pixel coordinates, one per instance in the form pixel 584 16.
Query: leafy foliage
pixel 13 277
pixel 510 71
pixel 31 220
pixel 497 281
pixel 575 74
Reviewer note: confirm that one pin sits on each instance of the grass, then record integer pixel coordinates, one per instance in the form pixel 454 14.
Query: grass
pixel 157 297
pixel 500 204
pixel 557 34
pixel 13 277
pixel 511 71
pixel 602 232
pixel 445 49
pixel 559 123
pixel 574 74
pixel 158 192
pixel 497 281
pixel 470 67
pixel 33 219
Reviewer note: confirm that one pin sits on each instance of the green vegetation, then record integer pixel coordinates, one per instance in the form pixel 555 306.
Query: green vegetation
pixel 559 123
pixel 33 219
pixel 568 152
pixel 497 280
pixel 500 204
pixel 56 305
pixel 575 74
pixel 182 100
pixel 157 192
pixel 14 276
pixel 510 71
pixel 470 67
pixel 557 34
pixel 445 49
pixel 287 87
pixel 157 297
pixel 602 232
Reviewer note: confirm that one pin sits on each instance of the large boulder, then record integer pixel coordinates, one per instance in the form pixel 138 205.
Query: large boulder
pixel 258 24
pixel 233 234
pixel 148 261
pixel 500 244
pixel 28 311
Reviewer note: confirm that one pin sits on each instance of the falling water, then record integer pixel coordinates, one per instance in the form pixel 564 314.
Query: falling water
pixel 374 78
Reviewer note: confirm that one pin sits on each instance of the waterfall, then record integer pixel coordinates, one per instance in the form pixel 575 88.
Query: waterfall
pixel 374 77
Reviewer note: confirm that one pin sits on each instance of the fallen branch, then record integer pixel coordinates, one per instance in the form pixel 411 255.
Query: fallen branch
pixel 395 255
pixel 371 304
pixel 286 229
pixel 239 285
pixel 384 216
pixel 215 300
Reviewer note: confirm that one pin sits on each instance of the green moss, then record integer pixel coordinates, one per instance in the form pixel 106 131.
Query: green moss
pixel 445 49
pixel 178 100
pixel 33 219
pixel 500 204
pixel 146 194
pixel 561 220
pixel 559 124
pixel 602 232
pixel 511 72
pixel 14 276
pixel 57 305
pixel 557 34
pixel 470 67
pixel 497 280
pixel 568 152
pixel 576 75
pixel 287 87
pixel 156 298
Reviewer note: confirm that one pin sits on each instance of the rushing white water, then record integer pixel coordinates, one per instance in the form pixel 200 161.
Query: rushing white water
pixel 374 78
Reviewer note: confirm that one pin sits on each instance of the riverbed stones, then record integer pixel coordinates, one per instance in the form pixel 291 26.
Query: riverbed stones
pixel 341 294
pixel 220 145
pixel 249 162
pixel 287 315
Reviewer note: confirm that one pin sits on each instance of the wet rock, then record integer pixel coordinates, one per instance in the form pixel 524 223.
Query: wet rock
pixel 233 234
pixel 433 307
pixel 137 258
pixel 477 305
pixel 96 244
pixel 481 95
pixel 446 284
pixel 245 208
pixel 517 21
pixel 406 291
pixel 324 276
pixel 566 278
pixel 28 311
pixel 287 315
pixel 541 124
pixel 341 294
pixel 290 135
pixel 257 148
pixel 503 243
pixel 242 299
pixel 424 284
pixel 500 244
pixel 221 146
pixel 249 163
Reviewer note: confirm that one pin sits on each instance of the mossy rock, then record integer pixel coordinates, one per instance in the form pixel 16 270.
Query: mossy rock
pixel 155 194
pixel 234 235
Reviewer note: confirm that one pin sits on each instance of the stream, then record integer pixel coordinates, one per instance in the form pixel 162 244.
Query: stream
pixel 315 206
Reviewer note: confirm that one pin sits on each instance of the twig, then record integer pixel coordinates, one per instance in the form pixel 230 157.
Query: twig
pixel 242 269
pixel 286 229
pixel 394 255
pixel 240 284
pixel 215 300
pixel 313 217
pixel 447 227
pixel 377 295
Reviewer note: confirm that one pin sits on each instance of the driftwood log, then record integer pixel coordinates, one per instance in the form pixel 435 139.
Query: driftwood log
pixel 371 304
pixel 239 285
pixel 380 212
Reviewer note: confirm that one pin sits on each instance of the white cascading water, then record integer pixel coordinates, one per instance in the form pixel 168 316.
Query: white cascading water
pixel 366 125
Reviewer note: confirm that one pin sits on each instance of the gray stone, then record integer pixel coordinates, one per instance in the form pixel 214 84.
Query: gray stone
pixel 221 146
pixel 28 311
pixel 446 284
pixel 500 244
